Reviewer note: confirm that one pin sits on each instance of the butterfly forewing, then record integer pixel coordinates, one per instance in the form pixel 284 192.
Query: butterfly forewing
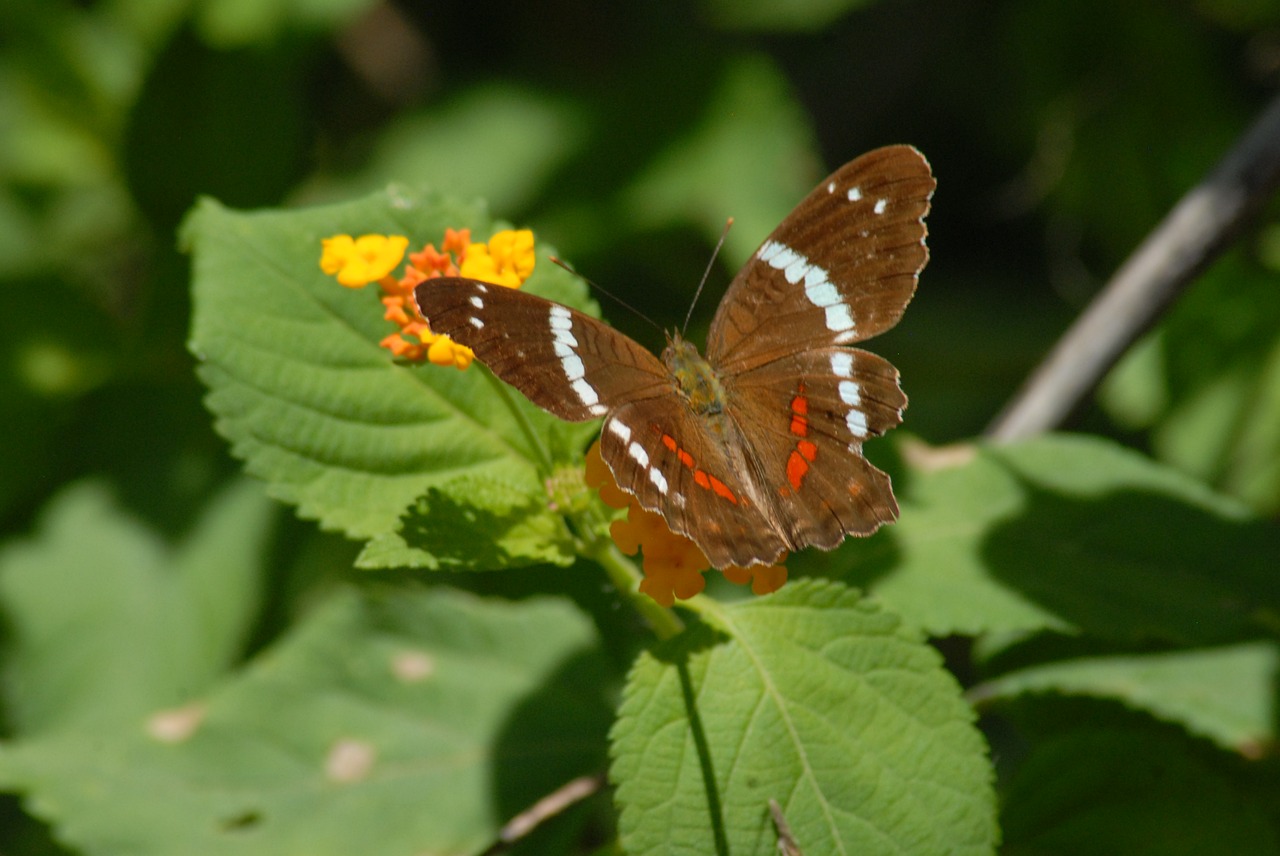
pixel 839 269
pixel 565 362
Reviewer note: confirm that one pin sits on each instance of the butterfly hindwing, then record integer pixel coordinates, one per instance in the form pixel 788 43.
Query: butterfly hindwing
pixel 663 454
pixel 806 418
pixel 567 363
pixel 841 268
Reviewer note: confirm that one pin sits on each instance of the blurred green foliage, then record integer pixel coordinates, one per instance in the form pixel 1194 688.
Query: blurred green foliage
pixel 1060 134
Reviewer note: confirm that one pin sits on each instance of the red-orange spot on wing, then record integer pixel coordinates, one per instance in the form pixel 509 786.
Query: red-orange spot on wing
pixel 700 477
pixel 722 490
pixel 807 449
pixel 800 404
pixel 799 425
pixel 797 466
pixel 684 457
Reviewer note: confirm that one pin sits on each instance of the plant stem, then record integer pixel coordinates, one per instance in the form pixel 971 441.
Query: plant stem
pixel 624 574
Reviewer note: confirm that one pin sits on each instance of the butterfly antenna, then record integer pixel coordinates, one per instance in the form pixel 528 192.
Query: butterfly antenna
pixel 706 273
pixel 615 298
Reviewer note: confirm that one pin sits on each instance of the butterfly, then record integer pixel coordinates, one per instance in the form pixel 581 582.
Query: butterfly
pixel 755 450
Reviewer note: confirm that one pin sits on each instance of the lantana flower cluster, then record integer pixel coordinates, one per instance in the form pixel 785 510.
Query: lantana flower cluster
pixel 507 259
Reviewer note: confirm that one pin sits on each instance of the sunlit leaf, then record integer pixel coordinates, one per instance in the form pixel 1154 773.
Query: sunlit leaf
pixel 1225 694
pixel 815 698
pixel 420 721
pixel 301 388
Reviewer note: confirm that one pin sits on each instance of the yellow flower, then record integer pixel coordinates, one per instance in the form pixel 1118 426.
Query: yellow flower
pixel 443 351
pixel 360 261
pixel 507 259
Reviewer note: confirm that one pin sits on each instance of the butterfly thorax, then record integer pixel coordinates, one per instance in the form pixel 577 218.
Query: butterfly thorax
pixel 694 376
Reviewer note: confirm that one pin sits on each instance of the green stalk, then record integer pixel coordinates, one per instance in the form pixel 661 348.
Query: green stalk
pixel 541 452
pixel 626 577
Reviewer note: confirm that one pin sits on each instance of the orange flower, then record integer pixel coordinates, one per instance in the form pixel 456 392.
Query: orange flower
pixel 764 579
pixel 673 564
pixel 599 477
pixel 507 259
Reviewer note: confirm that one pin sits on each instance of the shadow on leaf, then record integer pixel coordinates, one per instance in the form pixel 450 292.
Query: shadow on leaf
pixel 484 524
pixel 554 735
pixel 1138 565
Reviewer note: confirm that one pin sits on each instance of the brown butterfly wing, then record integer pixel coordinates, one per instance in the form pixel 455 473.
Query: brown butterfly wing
pixel 840 269
pixel 779 466
pixel 664 454
pixel 806 418
pixel 567 363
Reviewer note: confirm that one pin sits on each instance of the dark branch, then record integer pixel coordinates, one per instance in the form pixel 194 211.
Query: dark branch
pixel 1187 241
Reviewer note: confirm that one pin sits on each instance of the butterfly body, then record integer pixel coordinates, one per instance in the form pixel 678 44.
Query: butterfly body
pixel 755 449
pixel 694 376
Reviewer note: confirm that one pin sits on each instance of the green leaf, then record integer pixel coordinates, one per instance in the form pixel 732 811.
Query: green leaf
pixel 472 134
pixel 236 23
pixel 817 699
pixel 1072 533
pixel 1109 785
pixel 1225 694
pixel 52 360
pixel 309 400
pixel 106 621
pixel 420 721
